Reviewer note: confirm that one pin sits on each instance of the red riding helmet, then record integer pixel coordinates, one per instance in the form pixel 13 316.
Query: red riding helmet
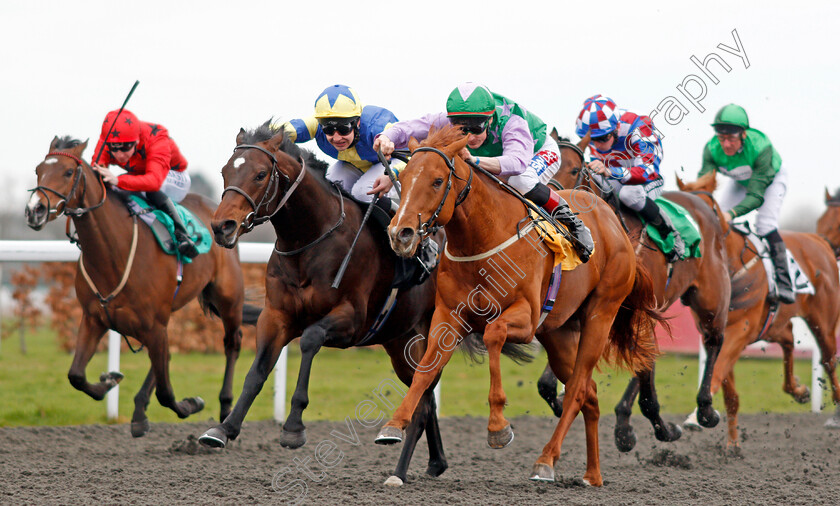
pixel 127 128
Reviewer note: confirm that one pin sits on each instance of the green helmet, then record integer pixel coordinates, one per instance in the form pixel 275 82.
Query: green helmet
pixel 731 119
pixel 470 99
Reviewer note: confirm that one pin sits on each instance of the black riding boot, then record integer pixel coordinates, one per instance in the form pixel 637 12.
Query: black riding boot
pixel 559 209
pixel 778 254
pixel 185 245
pixel 428 252
pixel 652 214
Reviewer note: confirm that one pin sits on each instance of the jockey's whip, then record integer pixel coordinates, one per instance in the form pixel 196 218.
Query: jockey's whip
pixel 113 124
pixel 346 261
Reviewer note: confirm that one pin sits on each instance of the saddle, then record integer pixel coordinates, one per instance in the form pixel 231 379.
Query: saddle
pixel 163 229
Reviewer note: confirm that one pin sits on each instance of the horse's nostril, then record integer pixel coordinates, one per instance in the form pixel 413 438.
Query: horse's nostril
pixel 228 227
pixel 406 234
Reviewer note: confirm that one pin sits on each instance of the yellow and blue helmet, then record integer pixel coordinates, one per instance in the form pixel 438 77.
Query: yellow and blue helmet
pixel 338 101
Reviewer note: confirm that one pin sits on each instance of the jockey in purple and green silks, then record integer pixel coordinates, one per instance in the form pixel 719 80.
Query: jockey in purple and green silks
pixel 759 183
pixel 504 139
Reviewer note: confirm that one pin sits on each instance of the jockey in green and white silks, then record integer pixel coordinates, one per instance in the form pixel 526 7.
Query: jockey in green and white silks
pixel 504 139
pixel 759 182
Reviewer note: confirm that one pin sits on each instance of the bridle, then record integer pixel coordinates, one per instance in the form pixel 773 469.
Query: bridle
pixel 272 190
pixel 429 227
pixel 64 199
pixel 271 193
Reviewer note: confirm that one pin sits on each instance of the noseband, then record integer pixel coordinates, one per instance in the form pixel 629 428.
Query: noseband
pixel 429 226
pixel 272 190
pixel 64 199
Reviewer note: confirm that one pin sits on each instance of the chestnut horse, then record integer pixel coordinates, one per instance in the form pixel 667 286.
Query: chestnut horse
pixel 124 260
pixel 266 179
pixel 609 299
pixel 702 284
pixel 750 308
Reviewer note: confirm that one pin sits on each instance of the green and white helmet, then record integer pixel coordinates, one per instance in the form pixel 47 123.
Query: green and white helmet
pixel 731 119
pixel 470 100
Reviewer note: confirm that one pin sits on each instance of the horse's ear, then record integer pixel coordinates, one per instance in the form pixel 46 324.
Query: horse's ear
pixel 82 146
pixel 680 183
pixel 413 144
pixel 585 141
pixel 240 137
pixel 453 149
pixel 276 141
pixel 53 143
pixel 554 135
pixel 827 195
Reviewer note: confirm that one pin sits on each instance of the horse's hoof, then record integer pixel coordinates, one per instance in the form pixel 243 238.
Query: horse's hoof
pixel 691 422
pixel 141 428
pixel 625 438
pixel 804 398
pixel 542 472
pixel 832 423
pixel 293 440
pixel 393 481
pixel 669 433
pixel 214 438
pixel 501 438
pixel 111 379
pixel 196 404
pixel 710 420
pixel 389 435
pixel 436 469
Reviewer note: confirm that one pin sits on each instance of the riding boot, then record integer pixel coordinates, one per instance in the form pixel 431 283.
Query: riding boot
pixel 654 215
pixel 185 245
pixel 552 202
pixel 778 254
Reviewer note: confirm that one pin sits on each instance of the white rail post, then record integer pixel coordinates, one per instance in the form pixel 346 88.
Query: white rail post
pixel 280 385
pixel 113 395
pixel 816 384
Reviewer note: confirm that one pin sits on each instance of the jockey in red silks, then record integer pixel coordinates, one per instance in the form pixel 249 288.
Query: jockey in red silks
pixel 153 163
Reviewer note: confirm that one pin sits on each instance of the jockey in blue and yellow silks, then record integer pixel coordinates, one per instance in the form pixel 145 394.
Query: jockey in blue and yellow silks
pixel 344 129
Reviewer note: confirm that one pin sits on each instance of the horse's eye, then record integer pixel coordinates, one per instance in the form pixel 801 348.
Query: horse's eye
pixel 438 183
pixel 69 172
pixel 575 171
pixel 262 174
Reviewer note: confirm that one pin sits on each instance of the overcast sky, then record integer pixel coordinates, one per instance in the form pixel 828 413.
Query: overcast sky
pixel 207 68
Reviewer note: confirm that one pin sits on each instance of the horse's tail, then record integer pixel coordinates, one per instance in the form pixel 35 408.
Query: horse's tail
pixel 250 313
pixel 632 342
pixel 474 347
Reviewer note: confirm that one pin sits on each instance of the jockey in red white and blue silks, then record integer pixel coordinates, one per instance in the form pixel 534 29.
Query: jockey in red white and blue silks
pixel 627 152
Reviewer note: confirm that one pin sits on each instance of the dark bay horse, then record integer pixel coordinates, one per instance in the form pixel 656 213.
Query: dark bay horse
pixel 749 310
pixel 702 284
pixel 126 282
pixel 266 179
pixel 488 280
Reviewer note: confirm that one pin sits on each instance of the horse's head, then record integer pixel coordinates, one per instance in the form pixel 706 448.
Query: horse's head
pixel 258 177
pixel 828 226
pixel 428 182
pixel 59 182
pixel 570 173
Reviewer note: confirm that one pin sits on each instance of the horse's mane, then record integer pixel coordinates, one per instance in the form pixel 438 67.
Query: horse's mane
pixel 66 142
pixel 266 131
pixel 443 136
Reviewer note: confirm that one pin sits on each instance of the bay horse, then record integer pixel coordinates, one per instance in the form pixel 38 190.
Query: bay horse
pixel 702 284
pixel 750 309
pixel 123 260
pixel 267 179
pixel 608 301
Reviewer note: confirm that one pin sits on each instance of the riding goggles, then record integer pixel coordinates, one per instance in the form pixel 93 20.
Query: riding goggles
pixel 120 146
pixel 471 126
pixel 603 138
pixel 342 128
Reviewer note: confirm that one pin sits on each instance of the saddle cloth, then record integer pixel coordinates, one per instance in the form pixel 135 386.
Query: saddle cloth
pixel 685 225
pixel 164 230
pixel 799 280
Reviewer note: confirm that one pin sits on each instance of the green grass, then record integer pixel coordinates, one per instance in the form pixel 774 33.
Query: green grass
pixel 34 389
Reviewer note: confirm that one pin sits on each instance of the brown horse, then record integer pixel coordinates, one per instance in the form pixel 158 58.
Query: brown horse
pixel 126 262
pixel 608 299
pixel 267 179
pixel 750 308
pixel 702 284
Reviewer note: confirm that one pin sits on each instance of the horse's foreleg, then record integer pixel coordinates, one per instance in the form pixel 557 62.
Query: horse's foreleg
pixel 443 339
pixel 625 436
pixel 157 343
pixel 739 334
pixel 90 333
pixel 791 386
pixel 338 321
pixel 272 335
pixel 547 388
pixel 139 422
pixel 591 414
pixel 649 405
pixel 707 416
pixel 732 403
pixel 233 344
